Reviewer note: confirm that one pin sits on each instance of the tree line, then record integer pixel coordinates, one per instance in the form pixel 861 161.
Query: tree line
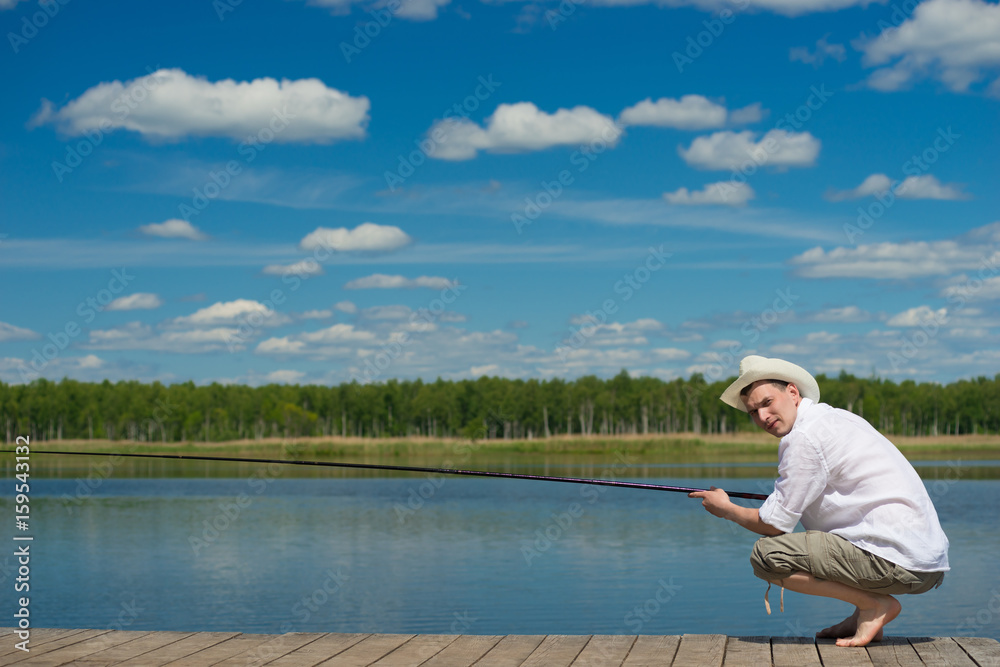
pixel 484 408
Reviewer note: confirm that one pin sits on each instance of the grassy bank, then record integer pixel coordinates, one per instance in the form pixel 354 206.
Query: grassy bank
pixel 675 447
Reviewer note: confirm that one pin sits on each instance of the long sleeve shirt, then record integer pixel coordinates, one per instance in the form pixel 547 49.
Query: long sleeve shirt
pixel 837 474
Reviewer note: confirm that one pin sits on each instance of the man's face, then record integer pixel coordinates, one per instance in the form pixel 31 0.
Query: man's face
pixel 772 408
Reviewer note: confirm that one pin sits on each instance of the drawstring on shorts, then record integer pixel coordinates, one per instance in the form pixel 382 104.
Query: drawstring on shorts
pixel 767 603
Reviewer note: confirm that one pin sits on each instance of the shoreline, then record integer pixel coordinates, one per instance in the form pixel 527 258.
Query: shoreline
pixel 678 446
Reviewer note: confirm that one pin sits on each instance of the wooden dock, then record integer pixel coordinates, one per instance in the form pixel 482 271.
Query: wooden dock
pixel 93 648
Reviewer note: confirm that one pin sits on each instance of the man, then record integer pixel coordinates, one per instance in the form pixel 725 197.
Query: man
pixel 872 530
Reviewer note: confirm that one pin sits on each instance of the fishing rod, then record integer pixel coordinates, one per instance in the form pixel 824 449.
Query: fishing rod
pixel 441 471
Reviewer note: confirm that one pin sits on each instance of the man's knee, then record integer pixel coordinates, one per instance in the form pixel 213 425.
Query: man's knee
pixel 767 561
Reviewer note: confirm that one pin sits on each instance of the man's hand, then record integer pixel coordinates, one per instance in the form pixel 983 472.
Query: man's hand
pixel 715 500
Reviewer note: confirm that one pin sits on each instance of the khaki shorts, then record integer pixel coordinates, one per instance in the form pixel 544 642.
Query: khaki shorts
pixel 832 558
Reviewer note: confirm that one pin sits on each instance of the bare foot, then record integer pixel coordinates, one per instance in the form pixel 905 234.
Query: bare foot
pixel 872 620
pixel 846 628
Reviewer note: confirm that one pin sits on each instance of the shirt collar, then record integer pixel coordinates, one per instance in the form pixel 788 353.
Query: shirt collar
pixel 803 407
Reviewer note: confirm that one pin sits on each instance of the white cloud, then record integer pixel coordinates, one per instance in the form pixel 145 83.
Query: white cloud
pixel 822 337
pixel 873 185
pixel 305 267
pixel 412 10
pixel 139 336
pixel 670 354
pixel 137 301
pixel 174 229
pixel 914 317
pixel 9 4
pixel 317 314
pixel 88 368
pixel 338 333
pixel 366 237
pixel 234 312
pixel 733 150
pixel 386 313
pixel 722 193
pixel 10 332
pixel 346 307
pixel 977 248
pixel 954 41
pixel 845 314
pixel 928 187
pixel 817 57
pixel 925 186
pixel 521 127
pixel 690 112
pixel 284 377
pixel 383 281
pixel 171 104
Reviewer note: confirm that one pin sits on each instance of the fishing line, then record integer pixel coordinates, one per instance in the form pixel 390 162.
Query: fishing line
pixel 441 471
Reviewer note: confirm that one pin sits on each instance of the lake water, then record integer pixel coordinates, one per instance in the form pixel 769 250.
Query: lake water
pixel 266 553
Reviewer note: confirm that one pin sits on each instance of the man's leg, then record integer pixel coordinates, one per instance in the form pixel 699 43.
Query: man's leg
pixel 873 610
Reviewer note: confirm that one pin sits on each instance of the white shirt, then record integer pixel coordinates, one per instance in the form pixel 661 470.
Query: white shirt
pixel 837 474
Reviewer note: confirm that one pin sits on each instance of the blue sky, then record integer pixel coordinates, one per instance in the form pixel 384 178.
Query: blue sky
pixel 314 192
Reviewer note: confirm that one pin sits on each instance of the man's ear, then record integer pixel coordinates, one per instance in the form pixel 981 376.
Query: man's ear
pixel 794 391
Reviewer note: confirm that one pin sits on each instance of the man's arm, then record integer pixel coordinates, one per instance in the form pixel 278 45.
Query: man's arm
pixel 717 502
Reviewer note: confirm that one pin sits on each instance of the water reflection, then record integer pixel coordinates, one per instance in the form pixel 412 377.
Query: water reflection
pixel 268 552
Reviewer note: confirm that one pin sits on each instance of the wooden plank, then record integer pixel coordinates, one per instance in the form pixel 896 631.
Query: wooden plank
pixel 511 651
pixel 416 651
pixel 322 649
pixel 701 651
pixel 272 649
pixel 54 645
pixel 747 652
pixel 120 651
pixel 556 651
pixel 368 650
pixel 83 649
pixel 941 652
pixel 893 652
pixel 842 656
pixel 464 651
pixel 652 651
pixel 986 652
pixel 37 639
pixel 602 650
pixel 181 649
pixel 794 652
pixel 221 651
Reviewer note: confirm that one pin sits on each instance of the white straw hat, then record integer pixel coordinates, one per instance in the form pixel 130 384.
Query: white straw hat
pixel 754 368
